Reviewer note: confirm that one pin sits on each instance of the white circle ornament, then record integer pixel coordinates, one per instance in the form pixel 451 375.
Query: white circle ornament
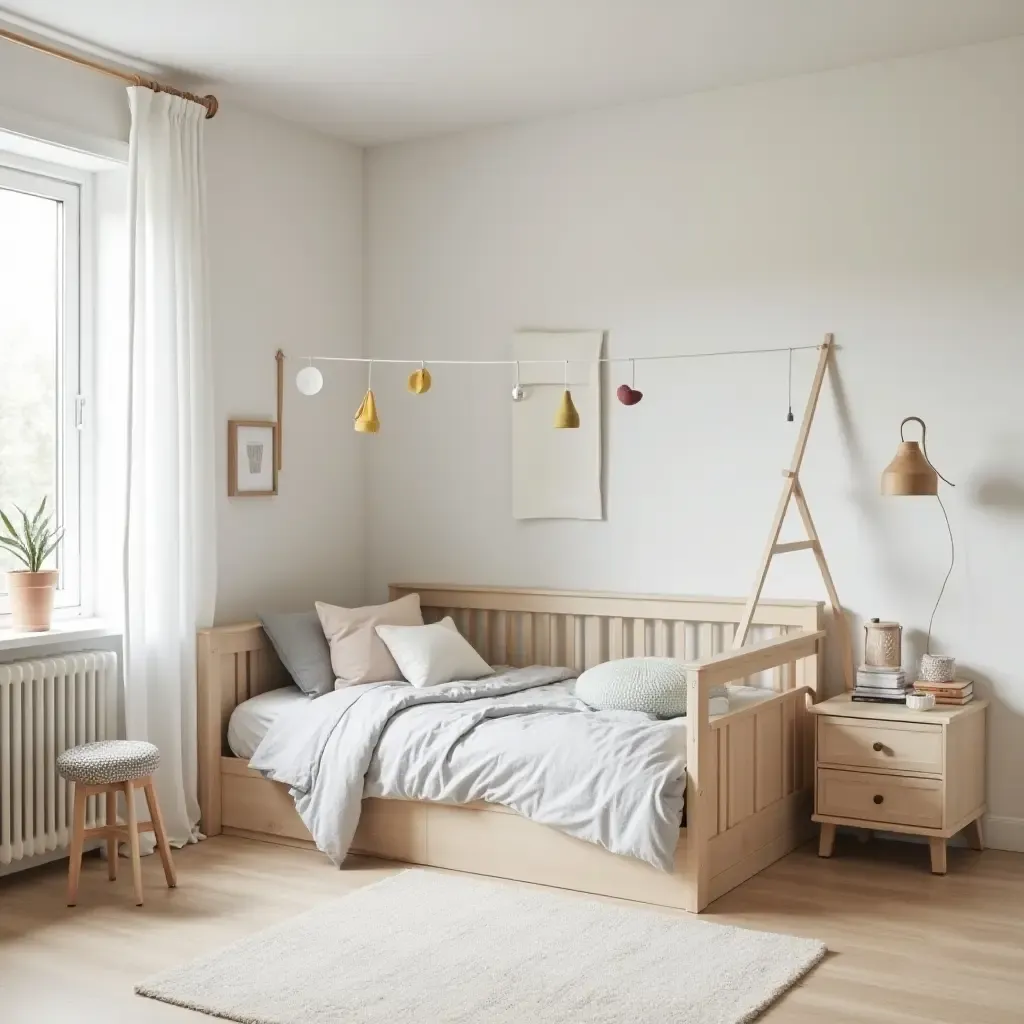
pixel 309 380
pixel 655 686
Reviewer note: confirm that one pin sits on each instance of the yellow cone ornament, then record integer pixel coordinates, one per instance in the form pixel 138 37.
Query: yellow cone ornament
pixel 419 381
pixel 366 421
pixel 567 418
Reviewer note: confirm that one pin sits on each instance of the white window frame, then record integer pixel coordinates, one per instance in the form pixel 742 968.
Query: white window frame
pixel 73 187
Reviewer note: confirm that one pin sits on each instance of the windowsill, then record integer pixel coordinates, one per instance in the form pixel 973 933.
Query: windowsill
pixel 63 631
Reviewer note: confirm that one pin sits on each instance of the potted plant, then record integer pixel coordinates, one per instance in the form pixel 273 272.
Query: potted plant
pixel 31 589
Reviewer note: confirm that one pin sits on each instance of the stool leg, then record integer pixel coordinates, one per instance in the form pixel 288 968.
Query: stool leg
pixel 77 842
pixel 111 822
pixel 133 838
pixel 161 836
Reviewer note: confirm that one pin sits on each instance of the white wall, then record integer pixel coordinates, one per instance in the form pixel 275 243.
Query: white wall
pixel 285 247
pixel 285 220
pixel 884 203
pixel 75 102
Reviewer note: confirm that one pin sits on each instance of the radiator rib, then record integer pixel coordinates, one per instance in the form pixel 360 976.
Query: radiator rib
pixel 45 707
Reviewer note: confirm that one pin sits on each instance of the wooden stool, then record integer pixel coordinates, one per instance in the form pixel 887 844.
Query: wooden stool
pixel 110 767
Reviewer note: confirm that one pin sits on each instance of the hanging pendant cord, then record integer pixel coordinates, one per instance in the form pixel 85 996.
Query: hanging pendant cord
pixel 952 561
pixel 924 445
pixel 945 515
pixel 789 414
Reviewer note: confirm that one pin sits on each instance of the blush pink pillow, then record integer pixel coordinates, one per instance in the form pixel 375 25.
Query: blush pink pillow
pixel 358 655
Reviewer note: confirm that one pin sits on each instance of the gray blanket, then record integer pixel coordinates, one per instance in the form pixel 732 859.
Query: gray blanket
pixel 518 738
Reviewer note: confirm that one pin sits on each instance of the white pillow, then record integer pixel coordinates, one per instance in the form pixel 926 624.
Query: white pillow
pixel 434 654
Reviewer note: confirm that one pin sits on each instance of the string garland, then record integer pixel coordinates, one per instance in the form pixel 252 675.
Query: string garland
pixel 789 415
pixel 309 379
pixel 602 359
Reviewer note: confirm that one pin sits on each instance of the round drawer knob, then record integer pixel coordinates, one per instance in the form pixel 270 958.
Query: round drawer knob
pixel 878 798
pixel 877 747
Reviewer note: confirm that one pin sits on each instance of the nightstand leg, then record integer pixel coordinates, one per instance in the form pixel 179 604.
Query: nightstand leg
pixel 938 851
pixel 975 837
pixel 826 840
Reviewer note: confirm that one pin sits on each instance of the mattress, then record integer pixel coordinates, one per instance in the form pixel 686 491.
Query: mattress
pixel 740 697
pixel 251 720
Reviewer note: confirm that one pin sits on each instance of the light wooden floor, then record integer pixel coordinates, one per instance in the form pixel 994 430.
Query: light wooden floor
pixel 906 946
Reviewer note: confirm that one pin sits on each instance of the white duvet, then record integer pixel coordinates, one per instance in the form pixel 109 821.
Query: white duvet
pixel 518 738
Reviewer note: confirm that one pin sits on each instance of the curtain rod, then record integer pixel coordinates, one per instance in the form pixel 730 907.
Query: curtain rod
pixel 210 102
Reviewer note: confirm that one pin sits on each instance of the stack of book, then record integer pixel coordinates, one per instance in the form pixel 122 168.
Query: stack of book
pixel 884 685
pixel 960 691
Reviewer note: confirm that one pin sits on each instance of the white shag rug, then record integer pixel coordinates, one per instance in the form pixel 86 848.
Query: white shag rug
pixel 426 948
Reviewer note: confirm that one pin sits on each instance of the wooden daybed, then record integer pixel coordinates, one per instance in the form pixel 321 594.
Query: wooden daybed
pixel 749 773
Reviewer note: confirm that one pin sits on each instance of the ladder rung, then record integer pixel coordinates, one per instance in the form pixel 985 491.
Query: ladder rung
pixel 796 545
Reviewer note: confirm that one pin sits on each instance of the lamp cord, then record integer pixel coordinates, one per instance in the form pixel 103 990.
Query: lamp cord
pixel 924 448
pixel 952 561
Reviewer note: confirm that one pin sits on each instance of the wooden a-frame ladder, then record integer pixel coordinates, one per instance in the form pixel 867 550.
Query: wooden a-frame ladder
pixel 792 491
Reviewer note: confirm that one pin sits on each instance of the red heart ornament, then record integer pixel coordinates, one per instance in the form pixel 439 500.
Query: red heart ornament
pixel 627 395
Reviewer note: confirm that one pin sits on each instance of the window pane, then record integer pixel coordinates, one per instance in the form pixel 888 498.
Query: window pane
pixel 30 275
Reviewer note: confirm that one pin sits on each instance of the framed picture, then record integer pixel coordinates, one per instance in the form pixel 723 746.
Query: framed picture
pixel 252 458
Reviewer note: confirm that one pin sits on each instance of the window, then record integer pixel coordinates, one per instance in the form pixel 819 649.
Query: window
pixel 41 358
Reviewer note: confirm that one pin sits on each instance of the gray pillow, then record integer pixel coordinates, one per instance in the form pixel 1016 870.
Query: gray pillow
pixel 302 647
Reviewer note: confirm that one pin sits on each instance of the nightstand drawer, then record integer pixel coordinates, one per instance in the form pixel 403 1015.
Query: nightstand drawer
pixel 867 743
pixel 893 799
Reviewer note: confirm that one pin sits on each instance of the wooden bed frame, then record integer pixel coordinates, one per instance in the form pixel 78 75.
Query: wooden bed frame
pixel 749 773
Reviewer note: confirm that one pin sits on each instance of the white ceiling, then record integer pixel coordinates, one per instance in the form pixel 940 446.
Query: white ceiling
pixel 379 70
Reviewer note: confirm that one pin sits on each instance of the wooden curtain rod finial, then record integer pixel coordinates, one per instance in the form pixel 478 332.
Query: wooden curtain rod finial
pixel 208 101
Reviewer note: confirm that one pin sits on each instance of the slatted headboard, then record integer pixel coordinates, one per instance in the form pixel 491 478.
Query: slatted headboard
pixel 584 628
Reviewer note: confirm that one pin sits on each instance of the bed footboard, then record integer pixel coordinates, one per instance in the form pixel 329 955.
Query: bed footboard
pixel 235 663
pixel 749 774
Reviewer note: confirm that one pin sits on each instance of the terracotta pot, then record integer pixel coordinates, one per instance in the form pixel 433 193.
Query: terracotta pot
pixel 31 596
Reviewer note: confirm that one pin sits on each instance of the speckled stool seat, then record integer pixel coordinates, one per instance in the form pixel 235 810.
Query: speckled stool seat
pixel 110 767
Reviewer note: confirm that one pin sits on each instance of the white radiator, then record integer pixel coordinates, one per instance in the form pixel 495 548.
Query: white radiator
pixel 47 706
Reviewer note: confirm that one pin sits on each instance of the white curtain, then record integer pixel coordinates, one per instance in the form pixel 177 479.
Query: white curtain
pixel 169 556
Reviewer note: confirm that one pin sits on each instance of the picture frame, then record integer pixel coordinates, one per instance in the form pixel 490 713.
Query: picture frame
pixel 252 458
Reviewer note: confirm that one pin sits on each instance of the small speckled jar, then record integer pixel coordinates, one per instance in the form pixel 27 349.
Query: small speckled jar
pixel 937 668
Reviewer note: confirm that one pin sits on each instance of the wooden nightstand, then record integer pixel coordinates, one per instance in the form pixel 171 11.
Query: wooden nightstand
pixel 885 767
